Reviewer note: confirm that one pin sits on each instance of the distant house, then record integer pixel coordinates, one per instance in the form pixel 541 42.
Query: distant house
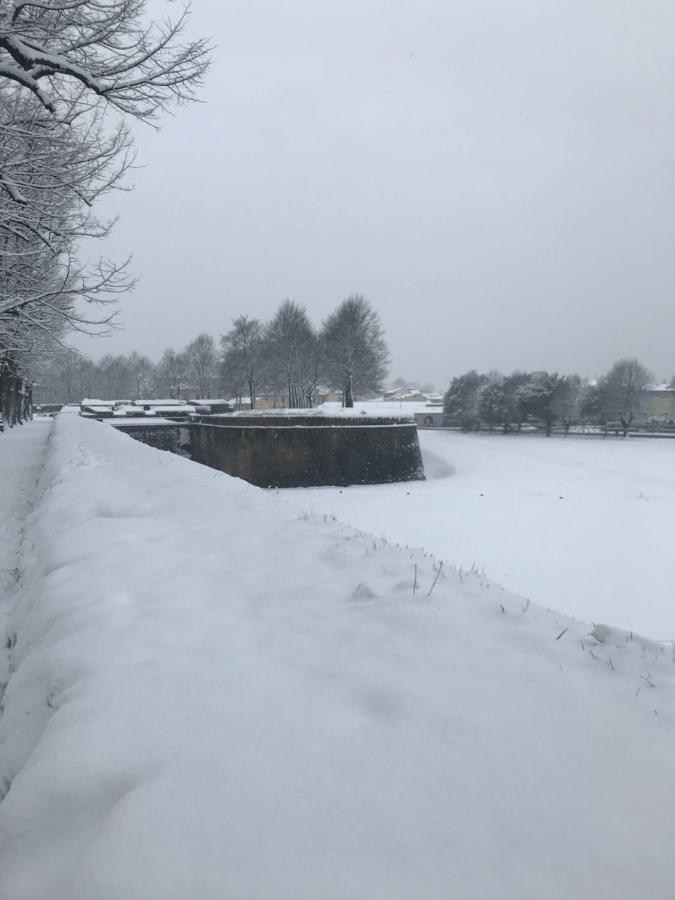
pixel 660 401
pixel 280 400
pixel 404 395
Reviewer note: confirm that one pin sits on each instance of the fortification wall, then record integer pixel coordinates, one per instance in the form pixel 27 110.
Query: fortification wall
pixel 164 436
pixel 304 451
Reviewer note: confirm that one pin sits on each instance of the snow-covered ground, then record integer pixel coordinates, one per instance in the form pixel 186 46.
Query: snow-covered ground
pixel 214 695
pixel 22 454
pixel 581 524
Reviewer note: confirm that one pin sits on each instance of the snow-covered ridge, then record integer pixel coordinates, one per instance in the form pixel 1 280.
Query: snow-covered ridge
pixel 215 695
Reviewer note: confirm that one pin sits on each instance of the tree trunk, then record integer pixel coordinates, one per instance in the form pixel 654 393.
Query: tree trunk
pixel 349 396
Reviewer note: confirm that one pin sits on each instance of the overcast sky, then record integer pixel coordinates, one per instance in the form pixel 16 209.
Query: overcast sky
pixel 497 178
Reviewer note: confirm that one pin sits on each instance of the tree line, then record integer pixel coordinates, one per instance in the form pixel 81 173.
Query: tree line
pixel 494 400
pixel 287 359
pixel 73 75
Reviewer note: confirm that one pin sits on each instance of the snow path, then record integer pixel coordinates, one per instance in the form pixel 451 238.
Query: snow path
pixel 582 525
pixel 22 454
pixel 217 696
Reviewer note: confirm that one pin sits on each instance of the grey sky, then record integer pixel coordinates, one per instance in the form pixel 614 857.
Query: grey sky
pixel 497 178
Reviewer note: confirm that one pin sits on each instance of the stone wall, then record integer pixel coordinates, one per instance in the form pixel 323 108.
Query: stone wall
pixel 301 451
pixel 161 436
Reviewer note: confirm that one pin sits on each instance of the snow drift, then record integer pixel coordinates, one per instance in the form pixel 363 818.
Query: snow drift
pixel 214 695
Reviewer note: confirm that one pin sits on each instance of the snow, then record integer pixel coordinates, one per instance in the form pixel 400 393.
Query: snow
pixel 22 451
pixel 406 409
pixel 581 524
pixel 215 694
pixel 147 421
pixel 163 402
pixel 171 410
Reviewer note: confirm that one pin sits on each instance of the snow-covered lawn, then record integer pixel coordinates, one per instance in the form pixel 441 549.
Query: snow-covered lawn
pixel 214 695
pixel 582 524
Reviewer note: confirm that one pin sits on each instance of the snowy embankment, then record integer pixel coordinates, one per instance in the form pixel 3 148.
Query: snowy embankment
pixel 216 696
pixel 583 525
pixel 22 452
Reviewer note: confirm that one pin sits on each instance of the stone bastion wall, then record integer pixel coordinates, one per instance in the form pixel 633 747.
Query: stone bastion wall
pixel 303 451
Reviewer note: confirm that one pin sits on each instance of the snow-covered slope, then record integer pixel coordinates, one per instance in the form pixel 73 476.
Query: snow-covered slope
pixel 215 695
pixel 22 452
pixel 584 525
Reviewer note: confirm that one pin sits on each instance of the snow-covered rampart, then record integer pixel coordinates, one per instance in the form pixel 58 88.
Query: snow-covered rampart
pixel 216 696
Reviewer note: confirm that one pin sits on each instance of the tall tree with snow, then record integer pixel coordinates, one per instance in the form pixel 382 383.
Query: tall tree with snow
pixel 355 351
pixel 622 392
pixel 461 402
pixel 74 55
pixel 63 65
pixel 538 397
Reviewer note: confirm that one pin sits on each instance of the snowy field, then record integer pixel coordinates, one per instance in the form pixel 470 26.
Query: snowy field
pixel 583 525
pixel 212 694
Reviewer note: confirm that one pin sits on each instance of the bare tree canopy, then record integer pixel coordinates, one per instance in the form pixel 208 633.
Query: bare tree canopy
pixel 283 360
pixel 242 348
pixel 622 392
pixel 201 362
pixel 292 353
pixel 64 65
pixel 355 352
pixel 70 54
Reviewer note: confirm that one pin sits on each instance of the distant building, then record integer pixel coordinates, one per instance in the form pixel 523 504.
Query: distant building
pixel 280 400
pixel 404 395
pixel 660 402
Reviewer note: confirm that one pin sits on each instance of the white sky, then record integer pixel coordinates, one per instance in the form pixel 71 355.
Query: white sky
pixel 497 178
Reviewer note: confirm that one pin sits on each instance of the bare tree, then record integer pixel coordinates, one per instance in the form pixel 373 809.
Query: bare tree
pixel 622 392
pixel 202 359
pixel 567 404
pixel 356 354
pixel 50 178
pixel 63 64
pixel 243 354
pixel 171 374
pixel 116 377
pixel 141 371
pixel 71 55
pixel 291 345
